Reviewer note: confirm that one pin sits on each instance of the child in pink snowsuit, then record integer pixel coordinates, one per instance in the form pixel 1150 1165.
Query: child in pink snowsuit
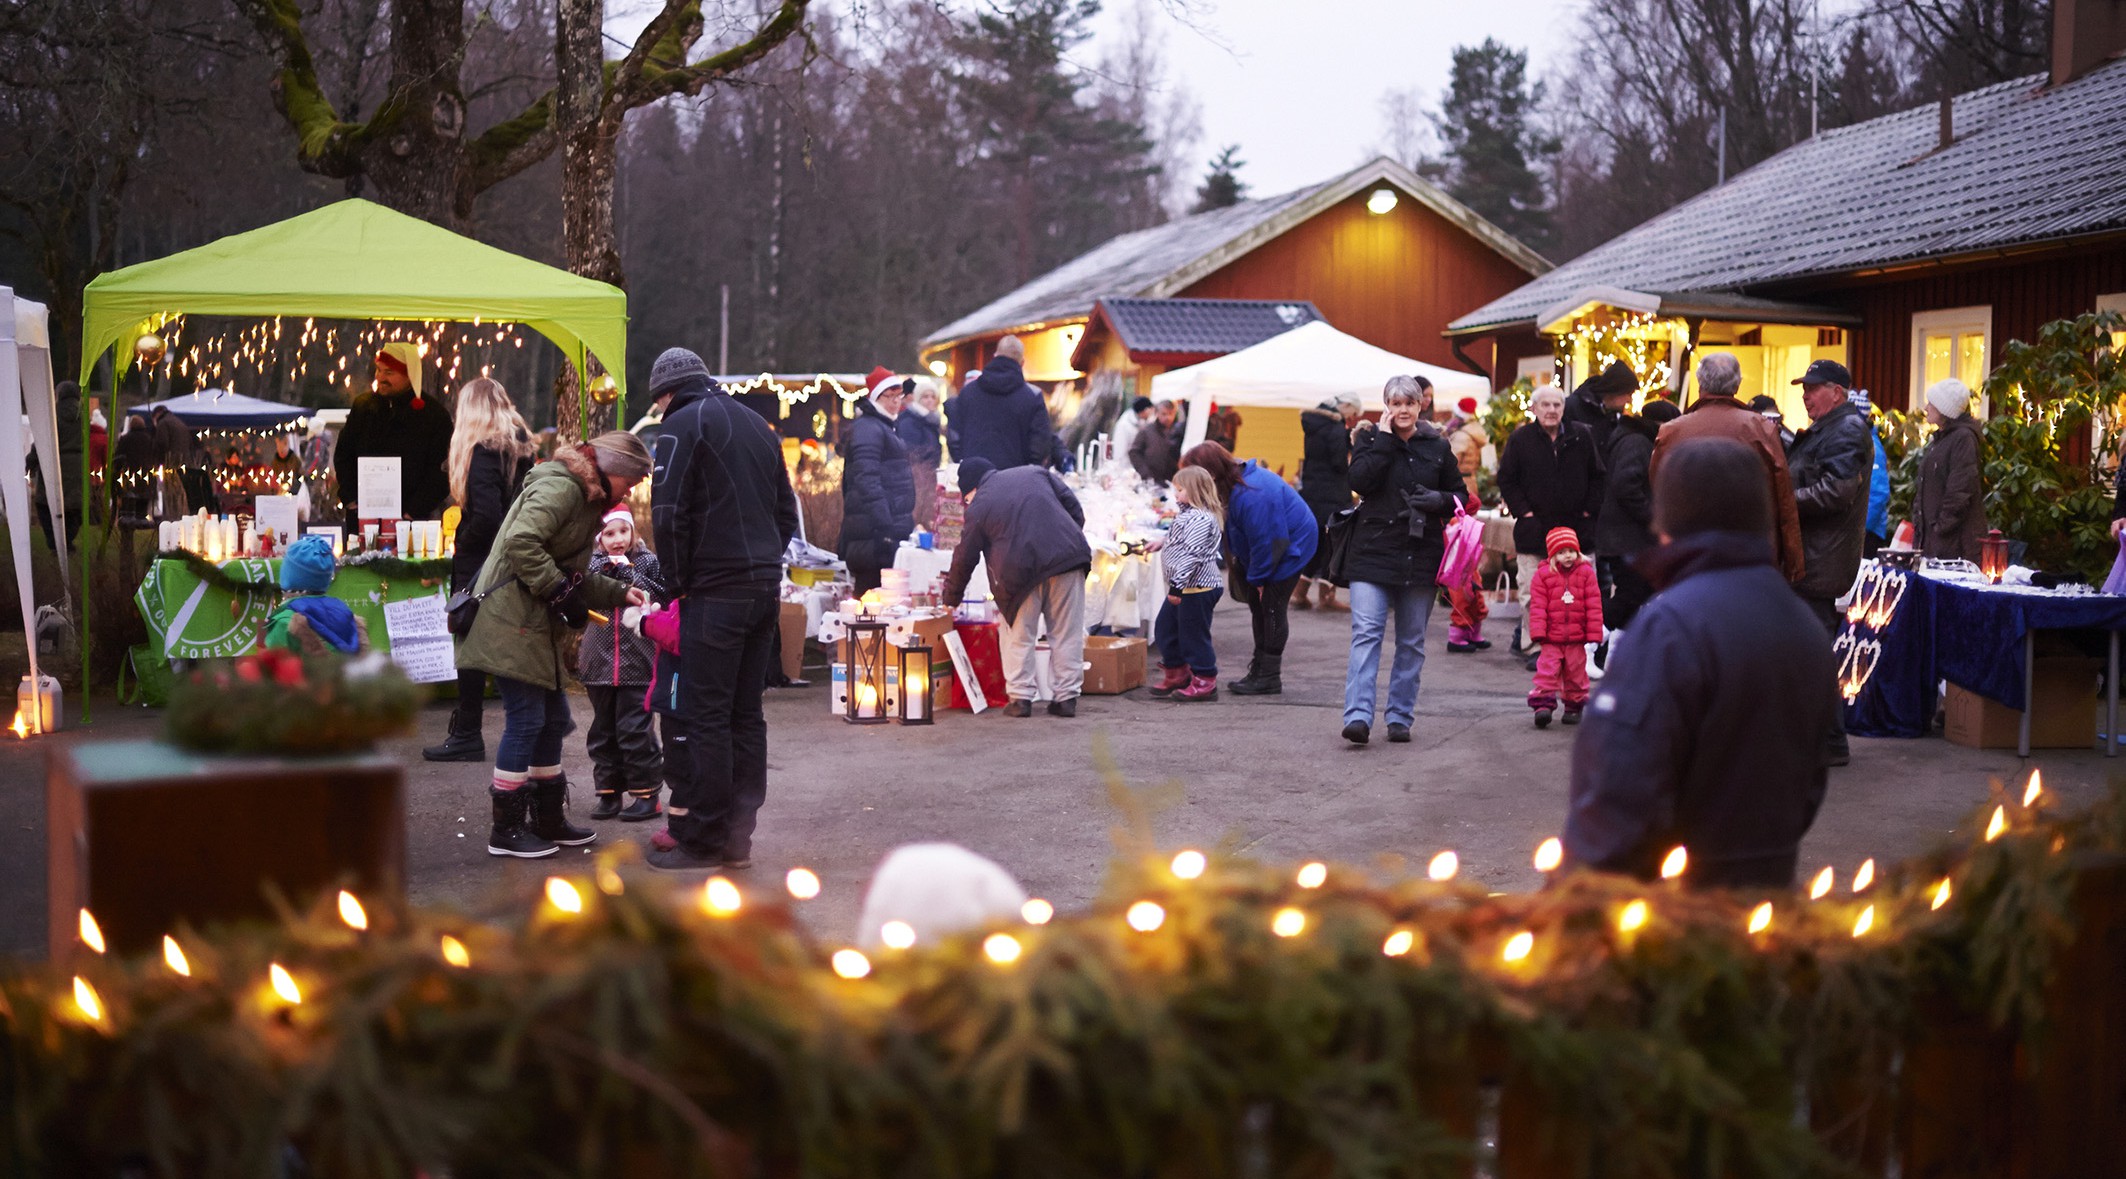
pixel 1564 615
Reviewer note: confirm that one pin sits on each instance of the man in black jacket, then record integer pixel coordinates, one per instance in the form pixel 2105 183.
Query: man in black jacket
pixel 1708 730
pixel 999 417
pixel 1601 400
pixel 396 420
pixel 723 513
pixel 1550 475
pixel 1831 463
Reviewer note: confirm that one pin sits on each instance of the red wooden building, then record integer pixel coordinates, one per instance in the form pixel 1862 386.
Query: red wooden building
pixel 1909 247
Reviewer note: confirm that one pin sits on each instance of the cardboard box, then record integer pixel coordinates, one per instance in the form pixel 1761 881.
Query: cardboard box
pixel 793 640
pixel 1114 665
pixel 2062 716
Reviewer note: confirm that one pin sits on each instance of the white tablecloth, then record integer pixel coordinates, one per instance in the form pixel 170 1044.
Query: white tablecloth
pixel 1122 592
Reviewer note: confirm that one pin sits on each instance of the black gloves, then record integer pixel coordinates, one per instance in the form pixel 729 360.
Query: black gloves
pixel 566 603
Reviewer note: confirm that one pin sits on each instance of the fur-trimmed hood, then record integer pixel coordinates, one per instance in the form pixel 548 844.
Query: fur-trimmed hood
pixel 585 469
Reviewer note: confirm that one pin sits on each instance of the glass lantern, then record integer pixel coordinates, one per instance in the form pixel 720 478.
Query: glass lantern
pixel 866 647
pixel 915 686
pixel 1993 556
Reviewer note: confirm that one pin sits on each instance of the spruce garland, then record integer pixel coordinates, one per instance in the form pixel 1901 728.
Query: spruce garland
pixel 385 567
pixel 644 1033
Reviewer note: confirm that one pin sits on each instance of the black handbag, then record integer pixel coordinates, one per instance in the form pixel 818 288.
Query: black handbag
pixel 1337 535
pixel 462 607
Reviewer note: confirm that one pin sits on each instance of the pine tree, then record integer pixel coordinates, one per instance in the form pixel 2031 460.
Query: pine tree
pixel 1222 187
pixel 1491 148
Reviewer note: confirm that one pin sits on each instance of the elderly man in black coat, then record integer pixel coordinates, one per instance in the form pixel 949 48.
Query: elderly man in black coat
pixel 1029 526
pixel 1831 464
pixel 1708 730
pixel 1551 477
pixel 999 417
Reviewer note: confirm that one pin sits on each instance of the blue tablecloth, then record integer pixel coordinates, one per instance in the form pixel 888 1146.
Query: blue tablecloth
pixel 1968 634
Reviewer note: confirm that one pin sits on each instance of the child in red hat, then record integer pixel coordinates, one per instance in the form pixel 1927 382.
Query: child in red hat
pixel 1564 615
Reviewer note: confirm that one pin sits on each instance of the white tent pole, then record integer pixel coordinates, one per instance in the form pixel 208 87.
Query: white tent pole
pixel 33 350
pixel 14 484
pixel 1199 418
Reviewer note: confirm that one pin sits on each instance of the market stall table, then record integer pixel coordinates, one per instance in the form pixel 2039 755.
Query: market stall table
pixel 1922 627
pixel 188 618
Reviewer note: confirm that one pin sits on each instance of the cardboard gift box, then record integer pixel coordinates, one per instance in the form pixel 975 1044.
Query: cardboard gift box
pixel 1114 665
pixel 2063 707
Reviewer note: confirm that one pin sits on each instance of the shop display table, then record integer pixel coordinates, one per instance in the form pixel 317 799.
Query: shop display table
pixel 1941 625
pixel 191 619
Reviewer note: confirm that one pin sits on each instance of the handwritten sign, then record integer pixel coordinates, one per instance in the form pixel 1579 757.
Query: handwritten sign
pixel 380 497
pixel 420 639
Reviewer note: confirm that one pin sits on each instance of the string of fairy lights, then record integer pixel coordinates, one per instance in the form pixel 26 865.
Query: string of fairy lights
pixel 1515 949
pixel 1630 336
pixel 335 351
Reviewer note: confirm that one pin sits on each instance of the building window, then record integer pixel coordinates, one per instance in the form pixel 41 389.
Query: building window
pixel 2114 303
pixel 1956 342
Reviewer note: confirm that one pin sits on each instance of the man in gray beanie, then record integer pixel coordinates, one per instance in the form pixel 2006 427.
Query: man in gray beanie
pixel 723 513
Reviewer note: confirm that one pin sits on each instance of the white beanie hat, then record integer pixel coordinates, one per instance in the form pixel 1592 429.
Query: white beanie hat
pixel 1950 397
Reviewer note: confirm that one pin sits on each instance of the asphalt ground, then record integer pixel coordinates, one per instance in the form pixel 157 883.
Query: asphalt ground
pixel 1269 777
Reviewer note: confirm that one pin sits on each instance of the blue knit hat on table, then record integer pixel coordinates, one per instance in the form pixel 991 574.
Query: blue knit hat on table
pixel 307 566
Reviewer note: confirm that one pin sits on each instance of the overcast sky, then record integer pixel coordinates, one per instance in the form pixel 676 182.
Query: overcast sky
pixel 1297 83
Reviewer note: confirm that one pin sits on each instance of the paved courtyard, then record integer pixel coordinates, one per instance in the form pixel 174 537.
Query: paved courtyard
pixel 1267 776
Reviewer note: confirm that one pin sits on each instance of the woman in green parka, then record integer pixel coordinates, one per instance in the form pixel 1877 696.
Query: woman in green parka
pixel 536 590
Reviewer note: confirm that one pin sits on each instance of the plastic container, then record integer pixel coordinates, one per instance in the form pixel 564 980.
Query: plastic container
pixel 40 704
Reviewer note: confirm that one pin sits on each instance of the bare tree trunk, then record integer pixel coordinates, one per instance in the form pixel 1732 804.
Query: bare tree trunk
pixel 589 151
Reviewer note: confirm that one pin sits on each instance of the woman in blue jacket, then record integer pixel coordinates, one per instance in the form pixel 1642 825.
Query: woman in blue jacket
pixel 1270 536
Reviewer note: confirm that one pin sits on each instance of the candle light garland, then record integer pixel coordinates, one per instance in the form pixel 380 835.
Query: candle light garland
pixel 1174 1007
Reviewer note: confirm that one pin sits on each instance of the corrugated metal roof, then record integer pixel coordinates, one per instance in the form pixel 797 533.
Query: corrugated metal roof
pixel 1165 258
pixel 2028 165
pixel 1203 325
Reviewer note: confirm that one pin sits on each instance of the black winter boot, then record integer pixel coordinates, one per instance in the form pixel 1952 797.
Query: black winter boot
pixel 463 743
pixel 1265 679
pixel 605 804
pixel 641 806
pixel 549 812
pixel 510 836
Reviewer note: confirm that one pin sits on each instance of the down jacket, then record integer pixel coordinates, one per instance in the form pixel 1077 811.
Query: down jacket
pixel 1269 530
pixel 1385 471
pixel 491 484
pixel 611 654
pixel 878 486
pixel 1325 469
pixel 1831 464
pixel 999 417
pixel 1949 502
pixel 545 538
pixel 1565 607
pixel 1626 525
pixel 720 499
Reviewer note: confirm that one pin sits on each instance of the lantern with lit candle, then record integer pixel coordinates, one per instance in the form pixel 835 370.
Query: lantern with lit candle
pixel 1993 556
pixel 915 685
pixel 866 647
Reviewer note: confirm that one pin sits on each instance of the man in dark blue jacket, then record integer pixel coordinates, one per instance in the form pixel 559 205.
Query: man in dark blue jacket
pixel 999 417
pixel 723 511
pixel 1709 730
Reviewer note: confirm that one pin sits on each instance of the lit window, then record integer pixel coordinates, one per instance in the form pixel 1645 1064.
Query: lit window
pixel 1957 342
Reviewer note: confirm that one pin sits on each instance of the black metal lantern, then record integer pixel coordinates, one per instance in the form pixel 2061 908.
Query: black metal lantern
pixel 866 649
pixel 915 686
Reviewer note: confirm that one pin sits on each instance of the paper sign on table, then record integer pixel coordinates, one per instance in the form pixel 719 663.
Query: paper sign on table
pixel 380 497
pixel 963 669
pixel 276 514
pixel 420 639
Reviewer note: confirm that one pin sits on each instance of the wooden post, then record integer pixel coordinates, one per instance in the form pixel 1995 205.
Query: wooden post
pixel 1535 1142
pixel 1953 1120
pixel 2070 1090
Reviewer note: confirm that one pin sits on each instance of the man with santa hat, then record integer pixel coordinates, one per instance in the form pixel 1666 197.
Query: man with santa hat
pixel 878 486
pixel 396 420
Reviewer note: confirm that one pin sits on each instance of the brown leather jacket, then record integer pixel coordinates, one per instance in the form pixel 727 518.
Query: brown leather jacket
pixel 1725 417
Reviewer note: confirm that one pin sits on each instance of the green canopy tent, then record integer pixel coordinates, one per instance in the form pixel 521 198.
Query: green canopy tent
pixel 357 260
pixel 354 259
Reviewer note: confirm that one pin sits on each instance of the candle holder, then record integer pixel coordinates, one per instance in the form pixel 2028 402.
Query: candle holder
pixel 915 686
pixel 866 647
pixel 1993 556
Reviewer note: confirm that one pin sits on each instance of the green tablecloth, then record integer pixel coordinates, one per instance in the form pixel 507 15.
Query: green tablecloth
pixel 190 619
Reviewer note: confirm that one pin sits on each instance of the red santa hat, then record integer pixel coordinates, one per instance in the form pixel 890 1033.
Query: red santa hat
pixel 618 512
pixel 1557 540
pixel 880 374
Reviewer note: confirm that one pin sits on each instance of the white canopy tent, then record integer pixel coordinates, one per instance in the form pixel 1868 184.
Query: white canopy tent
pixel 26 398
pixel 1300 369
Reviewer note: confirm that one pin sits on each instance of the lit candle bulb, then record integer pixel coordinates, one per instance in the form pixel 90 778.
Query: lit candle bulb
pixel 1037 911
pixel 87 1001
pixel 1313 875
pixel 455 953
pixel 1145 916
pixel 1444 866
pixel 173 956
pixel 91 933
pixel 720 897
pixel 1821 886
pixel 802 883
pixel 1633 916
pixel 1761 917
pixel 2036 787
pixel 1189 865
pixel 1001 948
pixel 1674 864
pixel 351 911
pixel 1518 946
pixel 1941 894
pixel 284 984
pixel 1288 922
pixel 1997 824
pixel 1865 876
pixel 897 935
pixel 1866 921
pixel 1549 854
pixel 563 896
pixel 851 964
pixel 1398 943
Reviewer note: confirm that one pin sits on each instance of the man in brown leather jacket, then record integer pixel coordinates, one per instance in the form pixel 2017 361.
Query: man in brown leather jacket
pixel 1718 414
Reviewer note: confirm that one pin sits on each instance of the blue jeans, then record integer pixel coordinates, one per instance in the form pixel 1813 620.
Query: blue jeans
pixel 1369 622
pixel 1183 633
pixel 535 720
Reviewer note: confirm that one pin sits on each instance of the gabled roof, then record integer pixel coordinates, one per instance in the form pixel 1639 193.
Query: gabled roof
pixel 1195 328
pixel 1156 262
pixel 2029 165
